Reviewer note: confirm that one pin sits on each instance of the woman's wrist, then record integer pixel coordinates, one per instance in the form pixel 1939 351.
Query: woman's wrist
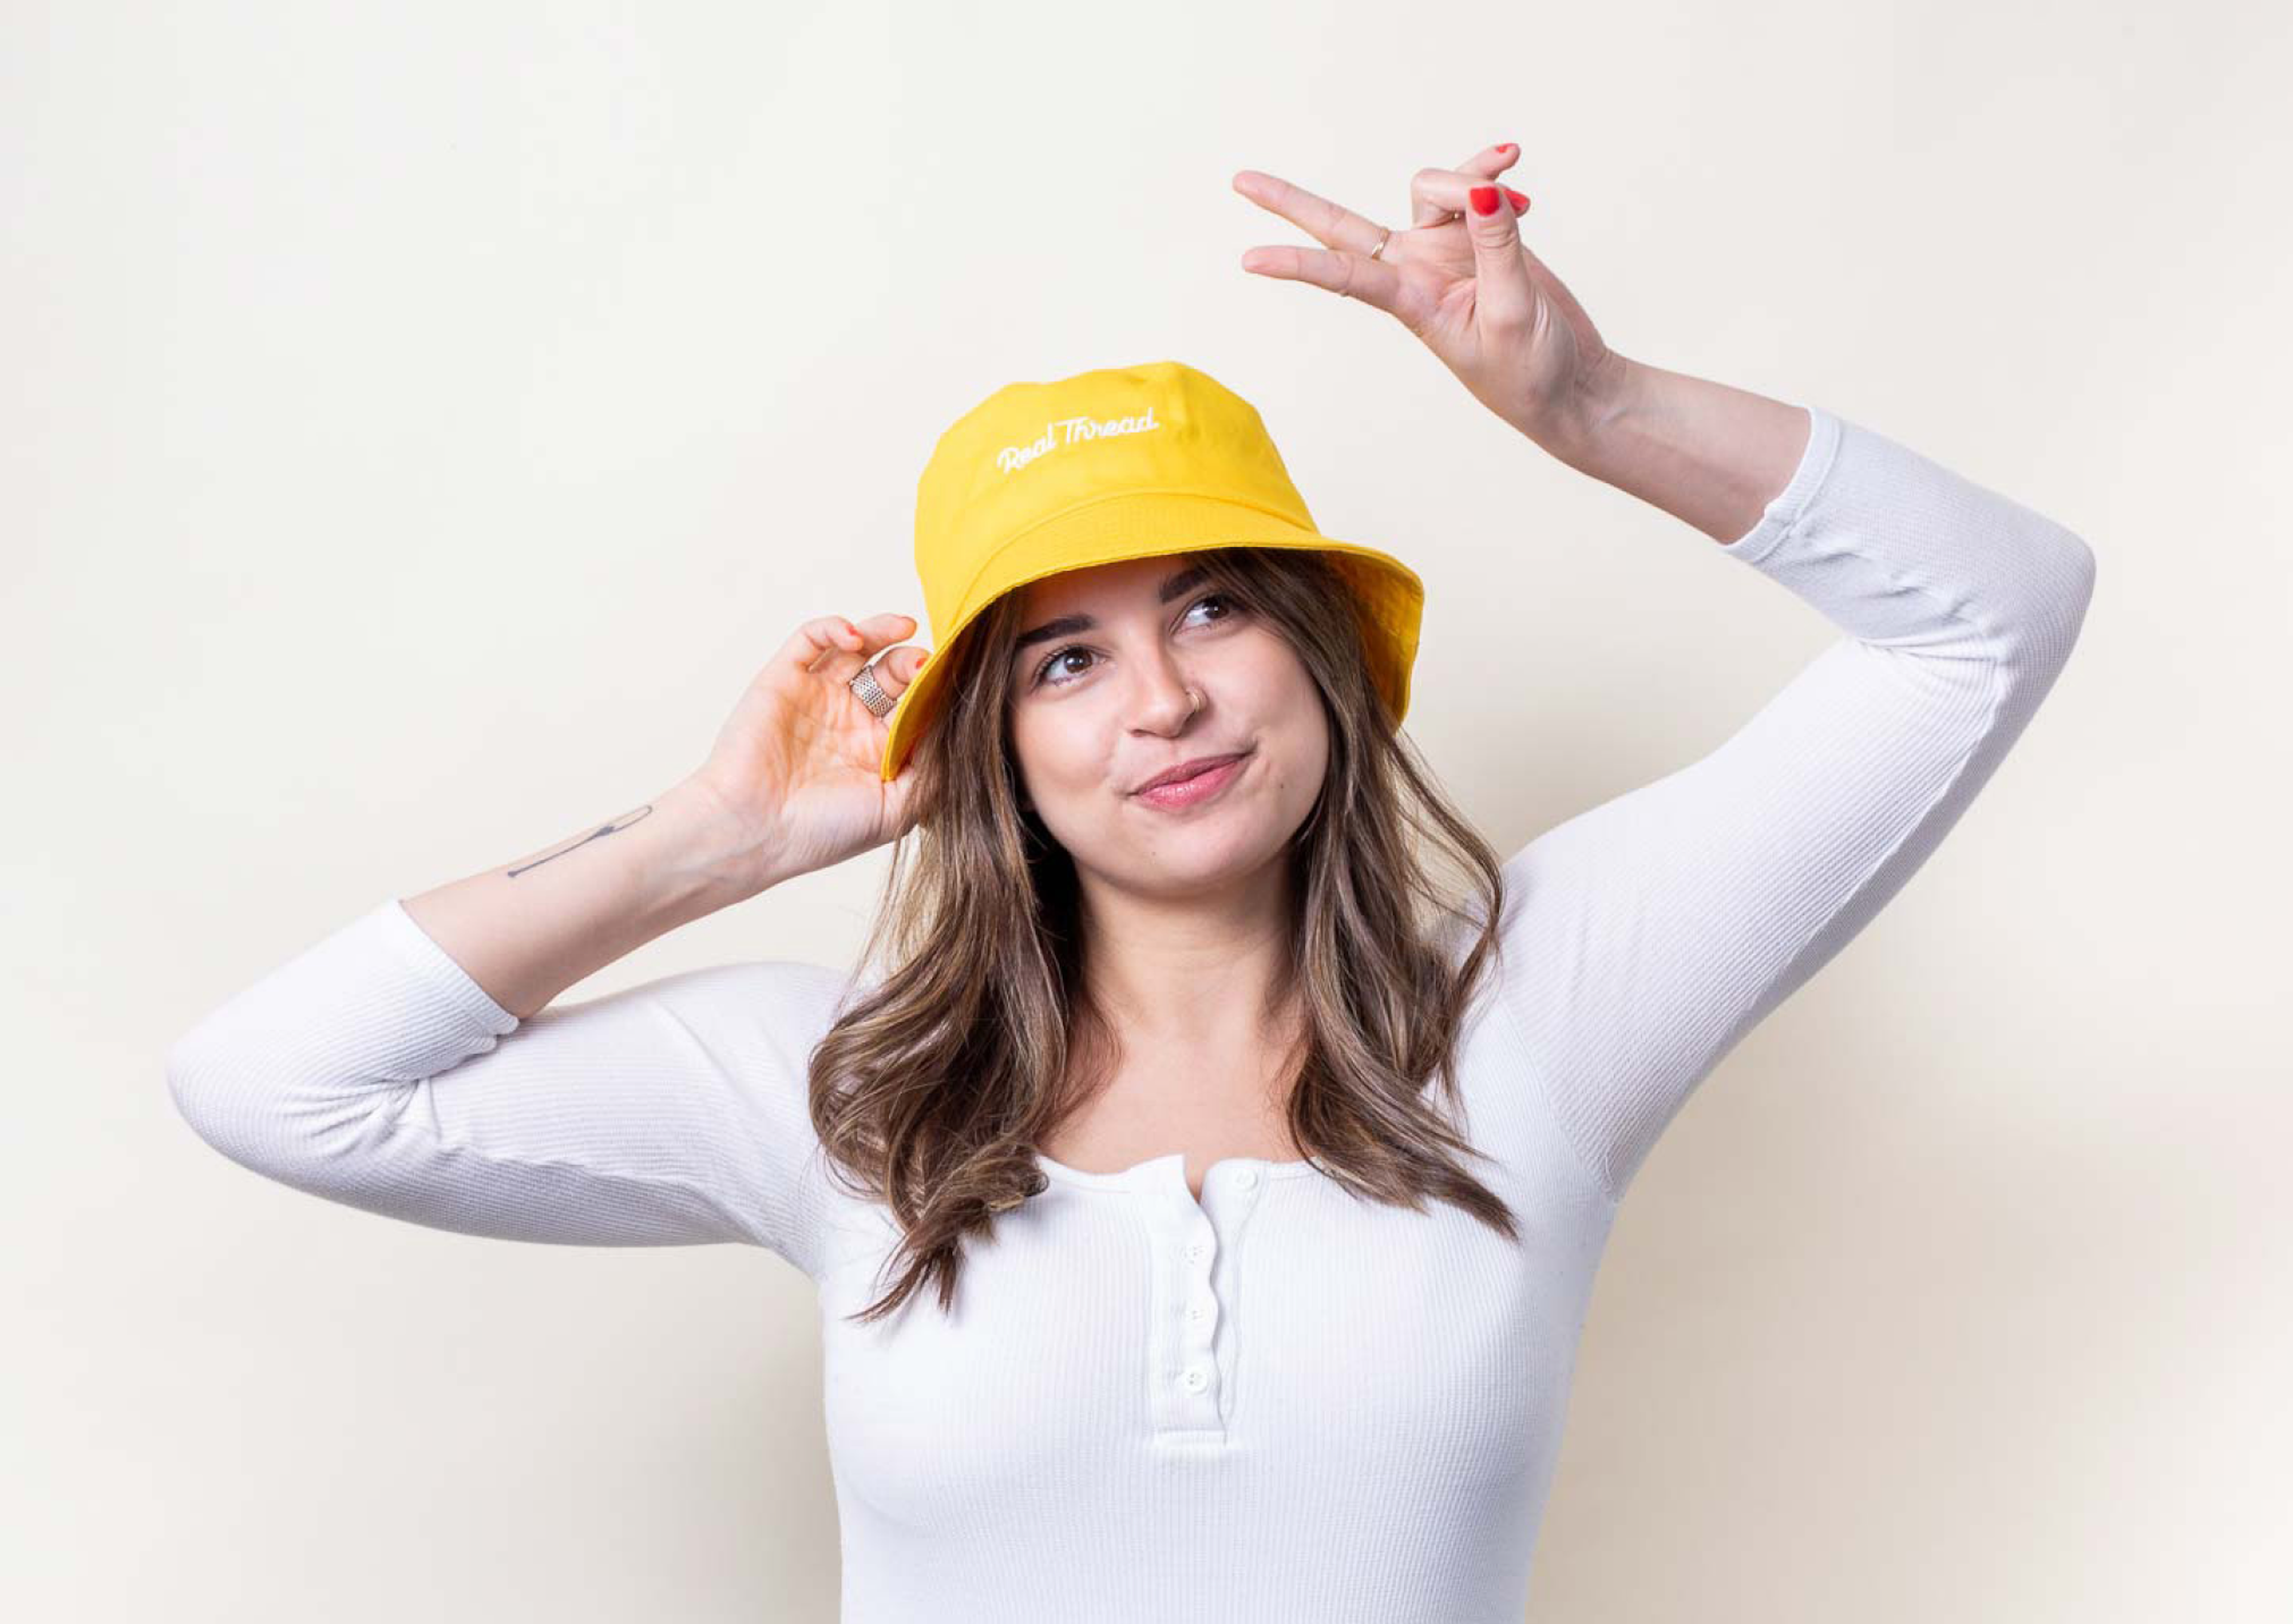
pixel 1601 399
pixel 1709 454
pixel 735 852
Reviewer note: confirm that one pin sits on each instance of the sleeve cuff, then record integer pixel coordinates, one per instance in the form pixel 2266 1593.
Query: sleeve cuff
pixel 439 969
pixel 1790 505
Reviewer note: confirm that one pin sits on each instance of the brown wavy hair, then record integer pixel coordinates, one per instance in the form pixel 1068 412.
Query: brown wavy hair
pixel 933 1087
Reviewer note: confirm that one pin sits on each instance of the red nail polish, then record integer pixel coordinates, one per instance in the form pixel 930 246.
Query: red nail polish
pixel 1519 203
pixel 1508 146
pixel 1485 199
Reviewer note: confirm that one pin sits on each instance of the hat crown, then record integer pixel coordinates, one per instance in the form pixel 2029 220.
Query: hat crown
pixel 1032 451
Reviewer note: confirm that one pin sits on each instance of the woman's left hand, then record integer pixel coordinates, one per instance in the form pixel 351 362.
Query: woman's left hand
pixel 1463 281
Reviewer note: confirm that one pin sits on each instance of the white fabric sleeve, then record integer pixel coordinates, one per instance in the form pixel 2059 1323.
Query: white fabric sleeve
pixel 372 1070
pixel 1644 938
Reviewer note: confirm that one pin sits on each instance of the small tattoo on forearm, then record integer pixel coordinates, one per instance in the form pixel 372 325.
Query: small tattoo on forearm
pixel 614 827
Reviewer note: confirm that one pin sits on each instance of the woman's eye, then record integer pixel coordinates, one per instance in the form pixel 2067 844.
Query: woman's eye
pixel 1043 671
pixel 1076 651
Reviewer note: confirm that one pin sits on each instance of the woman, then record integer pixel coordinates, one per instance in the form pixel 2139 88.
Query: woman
pixel 1287 1176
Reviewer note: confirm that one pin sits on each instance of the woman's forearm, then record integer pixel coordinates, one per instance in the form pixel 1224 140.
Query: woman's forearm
pixel 1706 453
pixel 532 928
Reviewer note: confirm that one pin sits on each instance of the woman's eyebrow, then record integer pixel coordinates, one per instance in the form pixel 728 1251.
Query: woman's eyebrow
pixel 1178 584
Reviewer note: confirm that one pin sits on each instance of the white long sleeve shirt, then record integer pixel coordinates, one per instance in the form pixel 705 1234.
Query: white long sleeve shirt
pixel 1278 1402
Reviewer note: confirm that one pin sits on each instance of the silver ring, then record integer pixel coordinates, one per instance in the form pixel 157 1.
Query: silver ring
pixel 871 693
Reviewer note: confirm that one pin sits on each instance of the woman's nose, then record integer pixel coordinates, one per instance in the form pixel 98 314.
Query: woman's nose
pixel 1169 697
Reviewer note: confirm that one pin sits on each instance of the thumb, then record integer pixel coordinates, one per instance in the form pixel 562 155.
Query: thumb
pixel 1502 295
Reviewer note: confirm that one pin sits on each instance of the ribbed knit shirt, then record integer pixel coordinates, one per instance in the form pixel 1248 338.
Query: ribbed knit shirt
pixel 1279 1401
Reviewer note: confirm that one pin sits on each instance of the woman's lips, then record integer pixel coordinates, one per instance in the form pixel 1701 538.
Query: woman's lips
pixel 1191 791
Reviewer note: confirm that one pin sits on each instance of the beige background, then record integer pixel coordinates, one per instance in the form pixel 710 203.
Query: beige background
pixel 425 420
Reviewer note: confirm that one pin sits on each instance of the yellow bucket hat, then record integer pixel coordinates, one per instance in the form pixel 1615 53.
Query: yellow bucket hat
pixel 1121 463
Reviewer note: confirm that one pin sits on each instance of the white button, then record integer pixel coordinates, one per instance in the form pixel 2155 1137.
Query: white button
pixel 1198 1313
pixel 1247 1177
pixel 1196 1379
pixel 1196 1252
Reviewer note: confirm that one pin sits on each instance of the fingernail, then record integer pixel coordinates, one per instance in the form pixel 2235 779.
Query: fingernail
pixel 1507 146
pixel 1485 199
pixel 1519 203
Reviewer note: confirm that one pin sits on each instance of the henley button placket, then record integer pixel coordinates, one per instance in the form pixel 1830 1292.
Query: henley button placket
pixel 1196 1304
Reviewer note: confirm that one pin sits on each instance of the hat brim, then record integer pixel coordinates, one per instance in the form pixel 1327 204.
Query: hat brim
pixel 1388 593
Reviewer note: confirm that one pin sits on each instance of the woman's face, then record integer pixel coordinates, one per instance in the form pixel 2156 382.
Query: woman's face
pixel 1099 705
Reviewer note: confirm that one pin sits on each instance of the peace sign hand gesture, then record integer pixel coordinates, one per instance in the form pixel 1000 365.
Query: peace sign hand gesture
pixel 1461 279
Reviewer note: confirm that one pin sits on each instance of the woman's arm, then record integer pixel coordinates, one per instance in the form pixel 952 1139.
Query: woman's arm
pixel 409 1064
pixel 1706 453
pixel 371 1070
pixel 387 1067
pixel 1646 936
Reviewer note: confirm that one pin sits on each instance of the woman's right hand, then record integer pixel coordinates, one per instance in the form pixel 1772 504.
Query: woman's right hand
pixel 798 764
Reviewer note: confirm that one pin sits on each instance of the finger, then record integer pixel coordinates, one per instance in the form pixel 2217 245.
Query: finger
pixel 1349 276
pixel 1489 160
pixel 896 670
pixel 1424 211
pixel 1319 218
pixel 896 667
pixel 878 631
pixel 895 673
pixel 827 641
pixel 1505 298
pixel 815 638
pixel 1486 164
pixel 1437 196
